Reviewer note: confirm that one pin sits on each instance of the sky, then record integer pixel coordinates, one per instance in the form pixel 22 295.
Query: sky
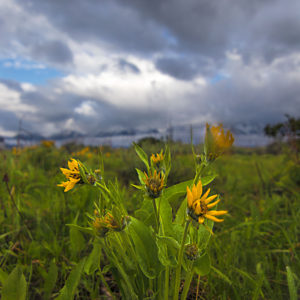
pixel 91 66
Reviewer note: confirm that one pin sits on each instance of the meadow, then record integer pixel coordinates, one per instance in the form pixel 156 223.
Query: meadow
pixel 254 253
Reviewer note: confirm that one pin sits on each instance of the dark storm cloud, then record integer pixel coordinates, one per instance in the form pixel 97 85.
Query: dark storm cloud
pixel 127 66
pixel 53 51
pixel 51 109
pixel 12 84
pixel 101 22
pixel 203 28
pixel 183 39
pixel 178 68
pixel 186 68
pixel 8 120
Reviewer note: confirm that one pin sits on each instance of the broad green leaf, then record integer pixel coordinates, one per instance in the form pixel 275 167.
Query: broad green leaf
pixel 177 190
pixel 93 260
pixel 142 155
pixel 165 213
pixel 14 287
pixel 167 250
pixel 181 213
pixel 50 280
pixel 204 234
pixel 146 213
pixel 202 265
pixel 208 179
pixel 69 289
pixel 145 248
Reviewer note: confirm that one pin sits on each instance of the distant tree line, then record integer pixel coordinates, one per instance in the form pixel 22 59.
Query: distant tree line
pixel 290 128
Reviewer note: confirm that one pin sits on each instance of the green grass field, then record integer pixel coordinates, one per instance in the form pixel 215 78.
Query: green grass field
pixel 255 252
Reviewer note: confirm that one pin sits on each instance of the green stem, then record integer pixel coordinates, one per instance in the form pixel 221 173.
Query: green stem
pixel 187 284
pixel 180 256
pixel 167 278
pixel 156 214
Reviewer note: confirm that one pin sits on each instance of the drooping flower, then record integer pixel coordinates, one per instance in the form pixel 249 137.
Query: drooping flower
pixel 199 205
pixel 72 174
pixel 216 142
pixel 157 158
pixel 154 183
pixel 106 223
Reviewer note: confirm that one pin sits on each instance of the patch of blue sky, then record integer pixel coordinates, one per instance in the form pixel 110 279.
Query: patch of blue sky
pixel 169 37
pixel 218 77
pixel 27 71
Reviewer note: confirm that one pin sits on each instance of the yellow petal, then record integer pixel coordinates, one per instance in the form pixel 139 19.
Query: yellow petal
pixel 213 204
pixel 213 218
pixel 75 180
pixel 63 184
pixel 73 164
pixel 70 185
pixel 189 197
pixel 205 195
pixel 209 199
pixel 217 212
pixel 66 172
pixel 197 208
pixel 201 220
pixel 199 189
pixel 194 191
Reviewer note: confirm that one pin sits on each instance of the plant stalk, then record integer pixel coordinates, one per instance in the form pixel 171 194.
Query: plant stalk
pixel 156 214
pixel 180 256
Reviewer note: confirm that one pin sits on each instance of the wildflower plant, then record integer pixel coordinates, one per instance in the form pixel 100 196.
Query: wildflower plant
pixel 154 250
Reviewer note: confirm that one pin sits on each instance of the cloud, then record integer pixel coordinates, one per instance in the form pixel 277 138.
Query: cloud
pixel 148 64
pixel 53 51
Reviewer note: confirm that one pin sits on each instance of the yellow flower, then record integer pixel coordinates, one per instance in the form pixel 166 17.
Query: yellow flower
pixel 157 158
pixel 198 204
pixel 216 142
pixel 154 183
pixel 105 223
pixel 72 174
pixel 47 143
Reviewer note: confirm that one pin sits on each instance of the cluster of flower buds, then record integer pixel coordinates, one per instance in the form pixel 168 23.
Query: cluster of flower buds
pixel 103 224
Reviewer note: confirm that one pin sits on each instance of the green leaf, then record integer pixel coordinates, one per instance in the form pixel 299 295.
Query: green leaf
pixel 146 213
pixel 50 280
pixel 141 175
pixel 181 213
pixel 93 260
pixel 165 213
pixel 82 229
pixel 69 289
pixel 3 276
pixel 202 265
pixel 208 179
pixel 145 248
pixel 77 242
pixel 291 284
pixel 142 155
pixel 177 190
pixel 167 250
pixel 14 287
pixel 204 234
